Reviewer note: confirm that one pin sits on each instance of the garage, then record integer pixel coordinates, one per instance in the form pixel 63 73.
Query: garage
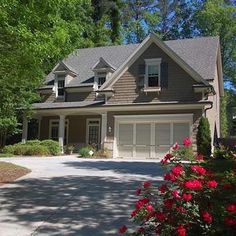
pixel 150 136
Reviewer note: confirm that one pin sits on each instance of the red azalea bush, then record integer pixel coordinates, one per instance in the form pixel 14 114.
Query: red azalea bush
pixel 192 200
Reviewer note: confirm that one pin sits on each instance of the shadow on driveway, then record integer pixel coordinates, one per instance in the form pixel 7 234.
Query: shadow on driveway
pixel 73 205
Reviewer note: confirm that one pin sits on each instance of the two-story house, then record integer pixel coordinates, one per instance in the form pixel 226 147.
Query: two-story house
pixel 137 100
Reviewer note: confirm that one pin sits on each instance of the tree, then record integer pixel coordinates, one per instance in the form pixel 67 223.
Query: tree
pixel 34 35
pixel 204 137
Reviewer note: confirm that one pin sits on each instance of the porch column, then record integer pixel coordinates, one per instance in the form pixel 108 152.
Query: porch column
pixel 24 129
pixel 103 129
pixel 61 132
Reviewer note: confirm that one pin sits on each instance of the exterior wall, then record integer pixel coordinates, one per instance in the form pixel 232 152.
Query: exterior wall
pixel 76 131
pixel 110 122
pixel 80 96
pixel 127 88
pixel 213 114
pixel 48 97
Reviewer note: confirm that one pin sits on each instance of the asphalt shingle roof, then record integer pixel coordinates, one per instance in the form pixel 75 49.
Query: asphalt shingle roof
pixel 198 53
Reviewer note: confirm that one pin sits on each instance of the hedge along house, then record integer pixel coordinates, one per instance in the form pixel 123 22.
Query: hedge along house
pixel 136 100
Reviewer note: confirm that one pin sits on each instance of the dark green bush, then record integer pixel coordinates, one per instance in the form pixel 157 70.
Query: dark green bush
pixel 85 151
pixel 21 149
pixel 37 150
pixel 223 152
pixel 33 142
pixel 8 149
pixel 204 138
pixel 53 146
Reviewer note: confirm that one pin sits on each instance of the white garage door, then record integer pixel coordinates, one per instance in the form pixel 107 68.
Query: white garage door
pixel 149 139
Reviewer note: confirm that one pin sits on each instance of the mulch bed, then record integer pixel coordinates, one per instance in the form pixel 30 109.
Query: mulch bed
pixel 10 172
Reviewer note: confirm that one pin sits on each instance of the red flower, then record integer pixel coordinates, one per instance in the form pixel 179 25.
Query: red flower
pixel 141 230
pixel 177 170
pixel 187 142
pixel 175 146
pixel 181 231
pixel 147 184
pixel 228 186
pixel 140 203
pixel 170 177
pixel 187 196
pixel 168 156
pixel 200 157
pixel 138 191
pixel 207 217
pixel 175 194
pixel 181 209
pixel 164 161
pixel 123 229
pixel 160 216
pixel 198 169
pixel 231 208
pixel 163 188
pixel 168 203
pixel 149 208
pixel 133 213
pixel 193 184
pixel 230 221
pixel 212 184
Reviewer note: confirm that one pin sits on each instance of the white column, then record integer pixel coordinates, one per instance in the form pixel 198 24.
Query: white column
pixel 24 129
pixel 103 129
pixel 61 132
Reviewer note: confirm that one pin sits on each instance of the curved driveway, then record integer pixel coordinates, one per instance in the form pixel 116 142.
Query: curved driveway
pixel 71 196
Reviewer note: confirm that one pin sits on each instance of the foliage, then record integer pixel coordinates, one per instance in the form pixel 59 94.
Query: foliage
pixel 33 148
pixel 69 149
pixel 194 200
pixel 3 155
pixel 204 137
pixel 87 151
pixel 223 152
pixel 53 146
pixel 102 153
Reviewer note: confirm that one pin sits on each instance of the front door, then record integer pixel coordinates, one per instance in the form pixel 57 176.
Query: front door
pixel 93 132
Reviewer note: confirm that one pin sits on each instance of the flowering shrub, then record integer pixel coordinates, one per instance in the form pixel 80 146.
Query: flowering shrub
pixel 192 200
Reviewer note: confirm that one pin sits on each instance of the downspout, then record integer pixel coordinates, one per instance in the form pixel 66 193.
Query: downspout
pixel 208 108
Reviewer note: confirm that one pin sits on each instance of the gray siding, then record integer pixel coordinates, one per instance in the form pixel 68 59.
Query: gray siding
pixel 127 88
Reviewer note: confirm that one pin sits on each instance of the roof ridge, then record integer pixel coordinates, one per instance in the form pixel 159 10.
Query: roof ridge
pixel 196 38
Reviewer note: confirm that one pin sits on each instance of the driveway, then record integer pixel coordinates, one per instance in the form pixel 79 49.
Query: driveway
pixel 71 196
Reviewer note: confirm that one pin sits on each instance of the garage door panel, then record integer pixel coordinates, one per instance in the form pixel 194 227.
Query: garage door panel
pixel 126 134
pixel 143 152
pixel 162 134
pixel 125 151
pixel 180 132
pixel 143 134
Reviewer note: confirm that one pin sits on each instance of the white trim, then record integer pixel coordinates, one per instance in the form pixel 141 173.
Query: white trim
pixel 152 38
pixel 58 120
pixel 152 120
pixel 99 128
pixel 103 128
pixel 56 86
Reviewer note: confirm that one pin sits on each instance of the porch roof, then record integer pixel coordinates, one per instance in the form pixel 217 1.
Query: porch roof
pixel 61 105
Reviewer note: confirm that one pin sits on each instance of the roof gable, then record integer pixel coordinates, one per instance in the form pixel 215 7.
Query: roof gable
pixel 152 38
pixel 102 64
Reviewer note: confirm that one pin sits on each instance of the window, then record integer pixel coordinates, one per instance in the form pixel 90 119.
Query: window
pixel 152 72
pixel 54 130
pixel 60 86
pixel 101 80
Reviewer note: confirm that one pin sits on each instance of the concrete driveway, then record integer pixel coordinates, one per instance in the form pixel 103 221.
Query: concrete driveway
pixel 71 196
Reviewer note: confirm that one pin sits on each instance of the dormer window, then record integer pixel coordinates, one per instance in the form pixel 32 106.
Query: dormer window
pixel 60 86
pixel 101 80
pixel 152 73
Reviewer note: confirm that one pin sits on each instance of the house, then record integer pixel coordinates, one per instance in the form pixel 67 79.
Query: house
pixel 136 100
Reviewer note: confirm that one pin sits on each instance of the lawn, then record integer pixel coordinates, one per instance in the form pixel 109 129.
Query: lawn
pixel 10 172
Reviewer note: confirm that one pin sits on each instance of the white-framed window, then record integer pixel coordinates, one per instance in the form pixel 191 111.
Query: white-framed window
pixel 100 78
pixel 152 72
pixel 93 131
pixel 60 86
pixel 54 130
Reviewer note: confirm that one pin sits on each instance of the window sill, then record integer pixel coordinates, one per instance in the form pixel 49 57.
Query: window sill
pixel 151 89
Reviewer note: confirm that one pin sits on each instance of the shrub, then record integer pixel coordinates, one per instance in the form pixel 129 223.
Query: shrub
pixel 223 152
pixel 204 137
pixel 6 155
pixel 8 149
pixel 103 153
pixel 86 151
pixel 21 149
pixel 33 142
pixel 53 146
pixel 193 201
pixel 37 150
pixel 69 149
